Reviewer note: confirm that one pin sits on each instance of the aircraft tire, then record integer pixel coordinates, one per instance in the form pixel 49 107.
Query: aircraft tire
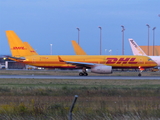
pixel 81 74
pixel 139 75
pixel 85 74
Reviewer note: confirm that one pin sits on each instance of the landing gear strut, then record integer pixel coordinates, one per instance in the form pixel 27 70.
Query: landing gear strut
pixel 84 72
pixel 141 69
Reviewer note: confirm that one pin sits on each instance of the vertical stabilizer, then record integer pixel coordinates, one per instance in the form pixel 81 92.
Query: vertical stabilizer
pixel 135 48
pixel 17 47
pixel 32 51
pixel 77 49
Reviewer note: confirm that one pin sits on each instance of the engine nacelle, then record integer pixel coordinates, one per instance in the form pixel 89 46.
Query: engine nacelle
pixel 102 69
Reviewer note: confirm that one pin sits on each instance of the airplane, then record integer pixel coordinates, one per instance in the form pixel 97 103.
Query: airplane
pixel 77 49
pixel 32 51
pixel 24 49
pixel 138 51
pixel 102 64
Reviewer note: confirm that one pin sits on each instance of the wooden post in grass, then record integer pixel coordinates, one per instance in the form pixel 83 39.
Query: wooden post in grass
pixel 72 106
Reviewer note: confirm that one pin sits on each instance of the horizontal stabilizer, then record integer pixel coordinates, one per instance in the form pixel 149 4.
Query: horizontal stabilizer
pixel 16 59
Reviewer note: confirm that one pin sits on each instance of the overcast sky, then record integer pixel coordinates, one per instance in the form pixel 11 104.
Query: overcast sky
pixel 45 22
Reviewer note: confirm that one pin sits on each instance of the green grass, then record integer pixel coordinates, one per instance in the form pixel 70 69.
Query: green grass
pixel 50 99
pixel 74 73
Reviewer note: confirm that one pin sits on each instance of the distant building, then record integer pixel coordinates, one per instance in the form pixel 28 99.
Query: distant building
pixel 14 65
pixel 2 63
pixel 9 64
pixel 156 50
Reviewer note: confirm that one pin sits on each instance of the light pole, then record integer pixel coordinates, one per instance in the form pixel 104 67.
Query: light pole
pixel 153 38
pixel 105 51
pixel 122 39
pixel 51 48
pixel 100 37
pixel 110 51
pixel 78 34
pixel 148 37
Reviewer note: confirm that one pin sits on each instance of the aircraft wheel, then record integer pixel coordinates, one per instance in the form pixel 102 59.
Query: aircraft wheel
pixel 85 74
pixel 139 75
pixel 81 74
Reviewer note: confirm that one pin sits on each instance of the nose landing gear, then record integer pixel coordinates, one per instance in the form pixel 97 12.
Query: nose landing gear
pixel 139 74
pixel 141 70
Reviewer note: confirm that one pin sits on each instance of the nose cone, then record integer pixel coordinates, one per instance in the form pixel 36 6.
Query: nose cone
pixel 154 64
pixel 158 62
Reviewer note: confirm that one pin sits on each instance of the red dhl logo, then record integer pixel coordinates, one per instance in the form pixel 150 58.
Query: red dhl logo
pixel 32 51
pixel 18 48
pixel 121 61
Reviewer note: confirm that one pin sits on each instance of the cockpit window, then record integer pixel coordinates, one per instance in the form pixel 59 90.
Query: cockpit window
pixel 149 59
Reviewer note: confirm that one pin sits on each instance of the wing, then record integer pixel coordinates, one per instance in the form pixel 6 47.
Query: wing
pixel 78 64
pixel 81 64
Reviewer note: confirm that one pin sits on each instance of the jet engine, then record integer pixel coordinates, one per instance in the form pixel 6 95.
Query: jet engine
pixel 102 69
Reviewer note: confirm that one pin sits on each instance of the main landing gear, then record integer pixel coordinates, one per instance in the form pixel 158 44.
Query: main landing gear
pixel 83 73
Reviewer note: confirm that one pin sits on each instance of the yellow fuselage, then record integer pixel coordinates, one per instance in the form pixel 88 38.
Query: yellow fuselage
pixel 52 61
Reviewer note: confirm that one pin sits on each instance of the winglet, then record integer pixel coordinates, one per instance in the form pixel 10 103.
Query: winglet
pixel 60 59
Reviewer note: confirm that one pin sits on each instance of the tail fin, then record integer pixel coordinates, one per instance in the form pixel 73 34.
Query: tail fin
pixel 17 47
pixel 135 48
pixel 77 49
pixel 32 51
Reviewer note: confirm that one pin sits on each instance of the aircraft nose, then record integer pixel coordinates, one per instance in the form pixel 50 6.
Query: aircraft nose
pixel 155 63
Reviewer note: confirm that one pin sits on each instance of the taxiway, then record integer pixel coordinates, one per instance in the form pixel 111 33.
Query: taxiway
pixel 81 77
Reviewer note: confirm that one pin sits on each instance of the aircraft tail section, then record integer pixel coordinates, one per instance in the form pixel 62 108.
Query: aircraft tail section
pixel 32 51
pixel 135 48
pixel 17 47
pixel 77 49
